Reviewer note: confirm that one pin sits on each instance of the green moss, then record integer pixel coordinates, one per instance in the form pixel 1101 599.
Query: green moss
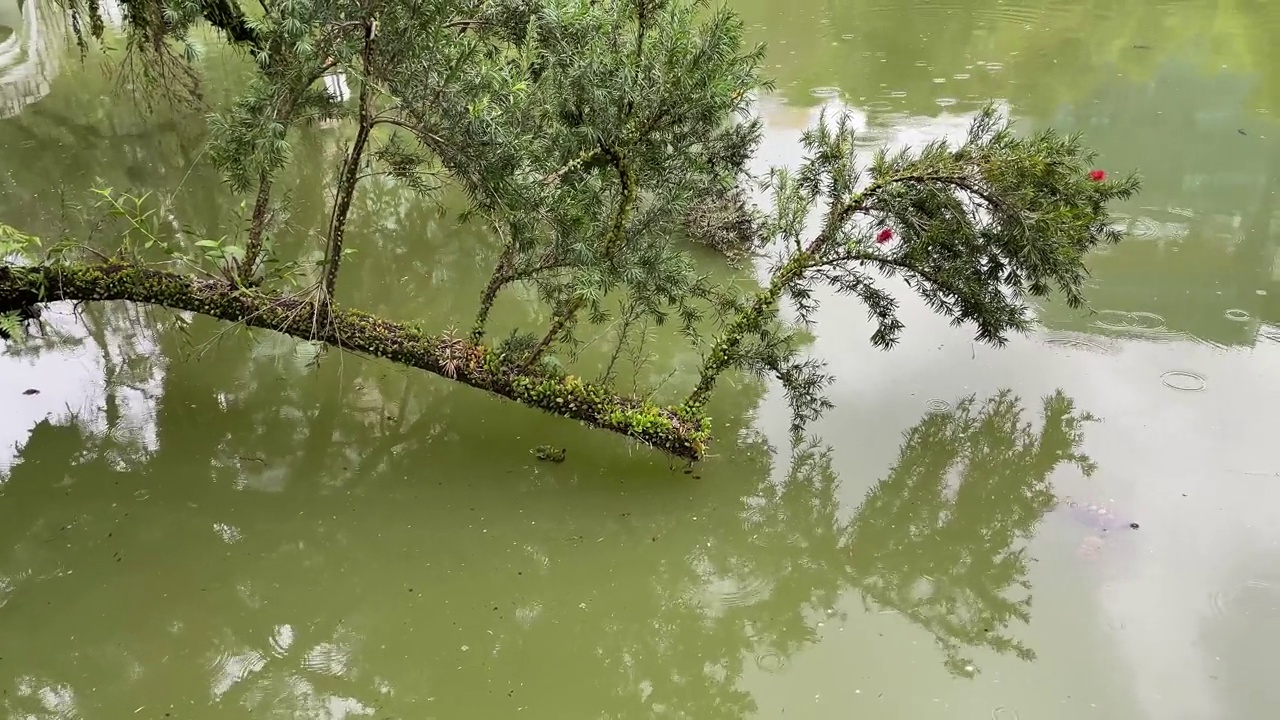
pixel 681 431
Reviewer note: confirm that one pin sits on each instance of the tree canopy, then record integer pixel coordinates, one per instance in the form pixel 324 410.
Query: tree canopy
pixel 597 139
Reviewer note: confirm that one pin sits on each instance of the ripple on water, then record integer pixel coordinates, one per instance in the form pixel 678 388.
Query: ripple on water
pixel 1125 320
pixel 770 662
pixel 228 669
pixel 1236 314
pixel 1078 341
pixel 937 405
pixel 1155 223
pixel 327 659
pixel 282 639
pixel 1218 602
pixel 1144 228
pixel 946 102
pixel 1183 380
pixel 1010 15
pixel 1142 325
pixel 825 92
pixel 737 593
pixel 921 8
pixel 1003 713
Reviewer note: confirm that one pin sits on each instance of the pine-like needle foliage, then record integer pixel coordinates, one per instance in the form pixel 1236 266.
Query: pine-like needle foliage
pixel 636 111
pixel 976 228
pixel 591 135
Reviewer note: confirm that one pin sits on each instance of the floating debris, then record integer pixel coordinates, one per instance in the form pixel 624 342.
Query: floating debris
pixel 550 454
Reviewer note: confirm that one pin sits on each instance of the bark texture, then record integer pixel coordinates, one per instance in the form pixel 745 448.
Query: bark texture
pixel 675 430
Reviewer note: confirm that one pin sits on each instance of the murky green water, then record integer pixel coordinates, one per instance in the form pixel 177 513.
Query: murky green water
pixel 201 523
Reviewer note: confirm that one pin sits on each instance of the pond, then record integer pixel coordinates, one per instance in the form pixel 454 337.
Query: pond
pixel 203 522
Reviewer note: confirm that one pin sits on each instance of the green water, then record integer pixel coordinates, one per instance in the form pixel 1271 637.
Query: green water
pixel 204 523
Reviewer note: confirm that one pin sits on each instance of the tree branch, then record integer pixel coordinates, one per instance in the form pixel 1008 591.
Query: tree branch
pixel 228 17
pixel 678 433
pixel 617 233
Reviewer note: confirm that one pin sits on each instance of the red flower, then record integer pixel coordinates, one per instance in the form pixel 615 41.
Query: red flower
pixel 1097 175
pixel 884 236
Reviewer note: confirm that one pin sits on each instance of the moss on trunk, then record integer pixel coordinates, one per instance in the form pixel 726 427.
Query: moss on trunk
pixel 677 431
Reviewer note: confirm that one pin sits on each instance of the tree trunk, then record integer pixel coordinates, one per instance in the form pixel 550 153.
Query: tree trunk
pixel 679 432
pixel 257 229
pixel 498 280
pixel 350 175
pixel 227 16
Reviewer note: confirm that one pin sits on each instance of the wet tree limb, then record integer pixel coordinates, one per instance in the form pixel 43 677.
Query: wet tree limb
pixel 673 430
pixel 228 17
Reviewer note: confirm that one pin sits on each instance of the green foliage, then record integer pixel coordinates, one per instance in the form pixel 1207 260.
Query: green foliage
pixel 138 217
pixel 976 229
pixel 17 246
pixel 592 136
pixel 11 326
pixel 143 236
pixel 17 249
pixel 630 114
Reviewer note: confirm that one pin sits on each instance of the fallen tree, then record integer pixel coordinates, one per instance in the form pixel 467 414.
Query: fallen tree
pixel 672 430
pixel 976 230
pixel 584 135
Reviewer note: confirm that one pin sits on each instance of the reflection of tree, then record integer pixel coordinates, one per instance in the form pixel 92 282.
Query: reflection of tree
pixel 326 541
pixel 939 539
pixel 272 494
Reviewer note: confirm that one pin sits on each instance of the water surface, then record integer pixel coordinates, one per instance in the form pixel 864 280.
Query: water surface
pixel 200 522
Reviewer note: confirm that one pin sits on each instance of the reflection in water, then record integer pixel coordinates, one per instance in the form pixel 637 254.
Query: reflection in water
pixel 33 53
pixel 29 57
pixel 222 530
pixel 400 563
pixel 941 539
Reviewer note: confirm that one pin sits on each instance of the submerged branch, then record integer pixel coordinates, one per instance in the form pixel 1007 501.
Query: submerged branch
pixel 676 431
